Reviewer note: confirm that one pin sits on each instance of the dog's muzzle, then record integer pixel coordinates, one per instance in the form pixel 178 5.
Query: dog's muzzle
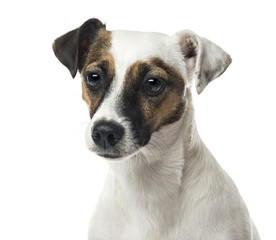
pixel 106 134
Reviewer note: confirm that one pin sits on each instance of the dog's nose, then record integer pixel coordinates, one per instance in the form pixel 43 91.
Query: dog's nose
pixel 107 134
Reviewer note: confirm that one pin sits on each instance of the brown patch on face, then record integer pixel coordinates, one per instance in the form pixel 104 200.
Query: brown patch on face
pixel 100 61
pixel 149 112
pixel 92 98
pixel 168 106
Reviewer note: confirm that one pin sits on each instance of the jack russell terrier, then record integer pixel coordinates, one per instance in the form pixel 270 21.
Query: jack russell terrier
pixel 163 182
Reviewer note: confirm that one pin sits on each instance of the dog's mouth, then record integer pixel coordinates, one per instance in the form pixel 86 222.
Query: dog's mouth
pixel 110 156
pixel 119 156
pixel 115 153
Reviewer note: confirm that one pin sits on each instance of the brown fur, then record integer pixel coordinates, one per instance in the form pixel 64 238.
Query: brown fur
pixel 165 108
pixel 99 48
pixel 85 95
pixel 98 59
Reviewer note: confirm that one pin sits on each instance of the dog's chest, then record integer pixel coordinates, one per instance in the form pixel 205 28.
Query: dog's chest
pixel 134 230
pixel 119 217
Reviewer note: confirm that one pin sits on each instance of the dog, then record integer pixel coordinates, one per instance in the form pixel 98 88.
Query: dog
pixel 163 182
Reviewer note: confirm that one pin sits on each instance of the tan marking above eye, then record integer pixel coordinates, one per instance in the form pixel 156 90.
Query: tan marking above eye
pixel 93 67
pixel 157 72
pixel 97 65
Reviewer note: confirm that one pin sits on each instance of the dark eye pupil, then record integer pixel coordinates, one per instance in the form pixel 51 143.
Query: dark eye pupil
pixel 153 85
pixel 93 79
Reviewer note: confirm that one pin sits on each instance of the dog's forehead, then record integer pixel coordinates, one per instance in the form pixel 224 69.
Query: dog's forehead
pixel 128 47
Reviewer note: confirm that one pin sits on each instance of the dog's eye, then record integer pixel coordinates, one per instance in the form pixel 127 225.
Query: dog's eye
pixel 93 79
pixel 154 86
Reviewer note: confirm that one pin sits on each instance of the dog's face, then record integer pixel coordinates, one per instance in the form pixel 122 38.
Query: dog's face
pixel 134 83
pixel 132 89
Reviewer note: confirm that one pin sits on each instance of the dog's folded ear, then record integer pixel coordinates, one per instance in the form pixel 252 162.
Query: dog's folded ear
pixel 204 60
pixel 71 47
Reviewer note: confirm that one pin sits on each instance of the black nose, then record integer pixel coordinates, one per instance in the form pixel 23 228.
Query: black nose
pixel 107 134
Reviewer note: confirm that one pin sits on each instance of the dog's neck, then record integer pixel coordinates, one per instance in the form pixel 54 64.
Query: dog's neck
pixel 155 173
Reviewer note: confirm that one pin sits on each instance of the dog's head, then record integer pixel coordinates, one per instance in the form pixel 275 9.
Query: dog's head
pixel 134 83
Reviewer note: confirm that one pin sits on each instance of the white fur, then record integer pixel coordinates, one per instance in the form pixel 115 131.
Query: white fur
pixel 173 188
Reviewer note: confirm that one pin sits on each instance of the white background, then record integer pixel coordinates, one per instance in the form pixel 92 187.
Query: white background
pixel 50 182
